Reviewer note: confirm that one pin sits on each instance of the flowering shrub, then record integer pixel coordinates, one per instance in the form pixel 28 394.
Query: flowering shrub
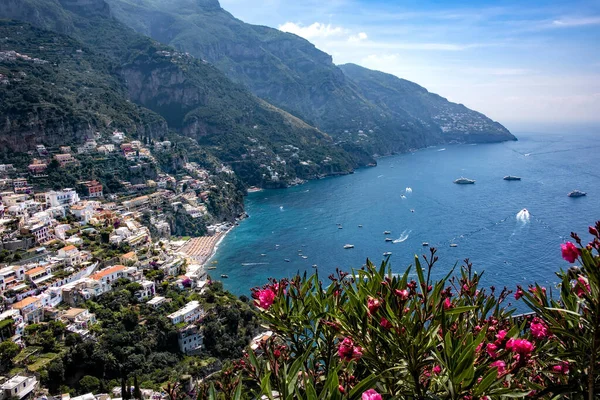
pixel 377 335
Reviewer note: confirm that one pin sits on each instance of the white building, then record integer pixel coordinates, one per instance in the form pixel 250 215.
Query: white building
pixel 66 197
pixel 70 255
pixel 190 313
pixel 156 301
pixel 148 290
pixel 189 339
pixel 18 386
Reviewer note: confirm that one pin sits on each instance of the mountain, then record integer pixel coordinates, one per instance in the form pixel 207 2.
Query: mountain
pixel 293 74
pixel 264 144
pixel 456 121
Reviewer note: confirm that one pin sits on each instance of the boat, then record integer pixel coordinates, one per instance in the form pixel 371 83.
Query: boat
pixel 577 193
pixel 305 257
pixel 389 239
pixel 360 226
pixel 314 265
pixel 425 244
pixel 348 246
pixel 211 267
pixel 387 232
pixel 224 276
pixel 387 253
pixel 286 260
pixel 464 181
pixel 340 227
pixel 512 178
pixel 453 245
pixel 263 255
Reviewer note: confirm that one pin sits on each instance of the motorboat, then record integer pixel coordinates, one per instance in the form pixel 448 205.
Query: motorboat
pixel 425 244
pixel 387 253
pixel 512 178
pixel 348 246
pixel 464 181
pixel 224 276
pixel 287 260
pixel 453 245
pixel 387 232
pixel 577 193
pixel 389 239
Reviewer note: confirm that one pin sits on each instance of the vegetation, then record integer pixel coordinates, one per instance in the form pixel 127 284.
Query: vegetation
pixel 374 335
pixel 137 343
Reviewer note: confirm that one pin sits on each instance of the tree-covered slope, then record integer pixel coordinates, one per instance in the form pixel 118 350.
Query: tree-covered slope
pixel 287 71
pixel 56 91
pixel 261 142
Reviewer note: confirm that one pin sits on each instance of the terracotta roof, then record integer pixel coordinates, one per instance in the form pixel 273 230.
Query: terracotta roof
pixel 131 254
pixel 24 303
pixel 35 270
pixel 101 274
pixel 69 248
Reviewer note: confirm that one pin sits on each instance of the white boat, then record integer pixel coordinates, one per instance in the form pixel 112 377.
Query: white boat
pixel 224 276
pixel 305 257
pixel 387 232
pixel 512 178
pixel 577 193
pixel 464 181
pixel 287 260
pixel 425 244
pixel 387 253
pixel 453 245
pixel 348 246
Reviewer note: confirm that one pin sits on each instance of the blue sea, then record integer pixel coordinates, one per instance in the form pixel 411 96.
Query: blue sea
pixel 413 196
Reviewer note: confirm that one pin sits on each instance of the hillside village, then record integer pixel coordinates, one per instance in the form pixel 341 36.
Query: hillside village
pixel 62 249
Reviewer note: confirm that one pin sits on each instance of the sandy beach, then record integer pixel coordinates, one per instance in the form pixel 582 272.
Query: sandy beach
pixel 202 249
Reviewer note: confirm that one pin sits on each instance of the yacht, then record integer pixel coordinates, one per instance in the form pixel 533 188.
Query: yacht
pixel 387 253
pixel 453 245
pixel 348 246
pixel 425 244
pixel 464 181
pixel 512 178
pixel 576 193
pixel 386 232
pixel 224 276
pixel 389 239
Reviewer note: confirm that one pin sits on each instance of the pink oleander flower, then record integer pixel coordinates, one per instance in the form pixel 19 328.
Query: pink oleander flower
pixel 519 293
pixel 479 347
pixel 402 294
pixel 501 365
pixel 371 394
pixel 520 346
pixel 341 389
pixel 348 351
pixel 265 298
pixel 491 349
pixel 385 323
pixel 500 336
pixel 539 329
pixel 570 252
pixel 582 287
pixel 447 304
pixel 562 368
pixel 373 305
pixel 437 369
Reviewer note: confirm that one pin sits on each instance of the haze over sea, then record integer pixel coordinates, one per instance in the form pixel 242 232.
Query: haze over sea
pixel 481 218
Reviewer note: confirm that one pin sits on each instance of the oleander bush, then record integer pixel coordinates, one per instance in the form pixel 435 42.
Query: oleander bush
pixel 375 335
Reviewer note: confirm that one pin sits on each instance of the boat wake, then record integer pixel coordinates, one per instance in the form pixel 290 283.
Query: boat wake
pixel 403 197
pixel 380 176
pixel 523 216
pixel 441 149
pixel 408 190
pixel 248 264
pixel 403 236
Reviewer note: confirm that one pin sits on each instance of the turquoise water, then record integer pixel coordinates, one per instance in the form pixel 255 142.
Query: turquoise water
pixel 481 218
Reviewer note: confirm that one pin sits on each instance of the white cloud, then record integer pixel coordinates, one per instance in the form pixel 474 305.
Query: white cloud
pixel 573 22
pixel 313 31
pixel 358 38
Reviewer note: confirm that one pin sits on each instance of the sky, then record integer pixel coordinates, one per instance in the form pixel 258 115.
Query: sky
pixel 522 63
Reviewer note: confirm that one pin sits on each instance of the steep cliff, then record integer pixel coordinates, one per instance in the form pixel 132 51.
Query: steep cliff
pixel 292 74
pixel 262 142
